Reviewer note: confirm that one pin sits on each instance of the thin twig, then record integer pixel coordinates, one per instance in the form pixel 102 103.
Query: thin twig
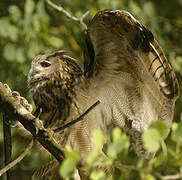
pixel 77 119
pixel 61 9
pixel 7 143
pixel 17 160
pixel 169 177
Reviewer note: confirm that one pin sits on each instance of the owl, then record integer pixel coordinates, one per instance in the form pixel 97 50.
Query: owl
pixel 124 68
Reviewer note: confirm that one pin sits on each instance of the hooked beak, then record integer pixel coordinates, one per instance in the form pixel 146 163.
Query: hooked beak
pixel 31 73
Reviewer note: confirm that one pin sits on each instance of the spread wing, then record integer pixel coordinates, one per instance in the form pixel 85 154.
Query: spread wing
pixel 116 42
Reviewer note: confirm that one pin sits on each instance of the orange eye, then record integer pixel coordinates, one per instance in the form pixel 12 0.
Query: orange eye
pixel 45 63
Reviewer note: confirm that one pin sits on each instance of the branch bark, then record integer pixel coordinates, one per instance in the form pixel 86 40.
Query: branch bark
pixel 7 144
pixel 10 106
pixel 168 177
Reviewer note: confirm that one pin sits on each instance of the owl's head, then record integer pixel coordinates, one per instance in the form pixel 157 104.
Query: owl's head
pixel 53 75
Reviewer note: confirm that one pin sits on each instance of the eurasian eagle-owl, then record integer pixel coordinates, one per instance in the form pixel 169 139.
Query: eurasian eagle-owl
pixel 124 68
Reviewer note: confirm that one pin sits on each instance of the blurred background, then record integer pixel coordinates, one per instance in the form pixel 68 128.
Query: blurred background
pixel 30 27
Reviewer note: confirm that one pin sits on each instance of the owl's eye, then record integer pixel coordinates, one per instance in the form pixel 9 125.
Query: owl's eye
pixel 45 63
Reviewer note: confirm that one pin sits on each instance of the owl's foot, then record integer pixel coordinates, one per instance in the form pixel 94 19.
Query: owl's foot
pixel 16 97
pixel 22 101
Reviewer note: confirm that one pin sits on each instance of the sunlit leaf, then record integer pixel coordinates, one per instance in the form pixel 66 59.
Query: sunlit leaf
pixel 148 177
pixel 20 56
pixel 67 168
pixel 97 139
pixel 4 24
pixel 36 22
pixel 120 142
pixel 8 30
pixel 151 140
pixel 98 175
pixel 69 153
pixel 161 127
pixel 116 134
pixel 29 7
pixel 15 13
pixel 177 133
pixel 10 52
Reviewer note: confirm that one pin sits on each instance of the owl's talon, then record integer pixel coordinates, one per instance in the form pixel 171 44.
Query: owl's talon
pixel 16 94
pixel 22 101
pixel 37 112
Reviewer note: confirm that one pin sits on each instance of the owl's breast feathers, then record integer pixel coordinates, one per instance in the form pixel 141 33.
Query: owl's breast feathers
pixel 53 87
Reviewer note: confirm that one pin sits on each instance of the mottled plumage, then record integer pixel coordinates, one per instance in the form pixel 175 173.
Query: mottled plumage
pixel 53 79
pixel 124 68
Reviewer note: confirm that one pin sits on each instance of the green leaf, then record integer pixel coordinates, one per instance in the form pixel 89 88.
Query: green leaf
pixel 97 139
pixel 4 24
pixel 134 7
pixel 159 160
pixel 177 133
pixel 151 140
pixel 9 52
pixel 67 168
pixel 148 177
pixel 20 55
pixel 40 9
pixel 13 33
pixel 8 30
pixel 69 153
pixel 15 13
pixel 29 7
pixel 69 164
pixel 140 162
pixel 113 150
pixel 36 22
pixel 120 142
pixel 97 175
pixel 116 134
pixel 34 48
pixel 54 41
pixel 148 8
pixel 161 127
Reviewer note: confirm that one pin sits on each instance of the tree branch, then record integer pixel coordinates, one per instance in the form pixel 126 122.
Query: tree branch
pixel 7 143
pixel 17 160
pixel 61 9
pixel 169 177
pixel 14 110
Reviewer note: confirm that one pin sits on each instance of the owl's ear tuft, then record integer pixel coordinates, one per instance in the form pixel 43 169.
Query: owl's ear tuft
pixel 60 53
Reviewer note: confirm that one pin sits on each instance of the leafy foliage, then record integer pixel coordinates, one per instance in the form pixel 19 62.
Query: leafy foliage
pixel 126 165
pixel 30 27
